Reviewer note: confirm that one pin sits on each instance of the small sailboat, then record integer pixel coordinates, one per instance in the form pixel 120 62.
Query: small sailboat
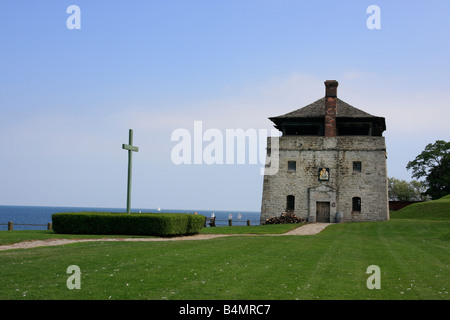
pixel 159 208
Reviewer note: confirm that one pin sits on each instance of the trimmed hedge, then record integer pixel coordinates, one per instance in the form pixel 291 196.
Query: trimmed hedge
pixel 154 224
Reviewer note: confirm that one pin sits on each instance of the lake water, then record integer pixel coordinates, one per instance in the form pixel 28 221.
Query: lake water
pixel 43 215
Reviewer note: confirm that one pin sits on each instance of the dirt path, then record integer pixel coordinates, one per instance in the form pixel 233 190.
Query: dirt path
pixel 307 229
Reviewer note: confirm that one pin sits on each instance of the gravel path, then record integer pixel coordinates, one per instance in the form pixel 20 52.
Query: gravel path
pixel 307 229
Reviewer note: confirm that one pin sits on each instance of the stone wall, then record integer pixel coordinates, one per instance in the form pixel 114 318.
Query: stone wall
pixel 337 154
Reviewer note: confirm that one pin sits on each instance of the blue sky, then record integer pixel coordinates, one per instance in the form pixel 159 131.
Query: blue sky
pixel 68 97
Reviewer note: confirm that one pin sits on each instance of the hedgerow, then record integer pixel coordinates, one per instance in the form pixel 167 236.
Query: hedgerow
pixel 154 224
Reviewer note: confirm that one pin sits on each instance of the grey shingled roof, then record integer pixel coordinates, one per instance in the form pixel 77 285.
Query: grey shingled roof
pixel 317 110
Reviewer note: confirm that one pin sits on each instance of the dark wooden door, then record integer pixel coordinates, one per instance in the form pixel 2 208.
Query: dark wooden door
pixel 322 212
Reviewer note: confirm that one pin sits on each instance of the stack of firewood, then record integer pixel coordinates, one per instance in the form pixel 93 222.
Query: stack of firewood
pixel 286 217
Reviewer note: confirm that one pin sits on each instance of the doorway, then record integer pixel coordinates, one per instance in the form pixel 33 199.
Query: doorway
pixel 322 212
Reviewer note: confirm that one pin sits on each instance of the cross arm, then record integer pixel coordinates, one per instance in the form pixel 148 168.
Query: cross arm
pixel 130 148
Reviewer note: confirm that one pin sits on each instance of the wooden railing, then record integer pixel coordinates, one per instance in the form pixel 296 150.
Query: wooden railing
pixel 10 225
pixel 212 221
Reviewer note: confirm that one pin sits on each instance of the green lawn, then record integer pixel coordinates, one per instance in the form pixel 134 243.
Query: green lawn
pixel 9 237
pixel 265 229
pixel 412 253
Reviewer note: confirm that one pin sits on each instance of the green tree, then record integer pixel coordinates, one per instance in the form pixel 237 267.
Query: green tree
pixel 418 188
pixel 433 164
pixel 402 190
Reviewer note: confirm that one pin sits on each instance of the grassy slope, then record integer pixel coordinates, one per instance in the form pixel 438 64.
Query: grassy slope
pixel 412 253
pixel 430 210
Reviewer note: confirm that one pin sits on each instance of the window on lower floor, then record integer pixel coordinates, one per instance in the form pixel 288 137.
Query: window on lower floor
pixel 356 204
pixel 290 203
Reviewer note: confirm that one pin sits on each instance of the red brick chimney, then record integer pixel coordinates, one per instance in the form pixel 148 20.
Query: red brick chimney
pixel 330 107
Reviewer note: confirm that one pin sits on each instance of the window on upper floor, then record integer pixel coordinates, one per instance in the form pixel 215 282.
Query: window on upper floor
pixel 356 166
pixel 292 166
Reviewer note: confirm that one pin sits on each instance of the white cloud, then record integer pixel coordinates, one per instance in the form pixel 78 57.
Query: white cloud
pixel 248 107
pixel 406 112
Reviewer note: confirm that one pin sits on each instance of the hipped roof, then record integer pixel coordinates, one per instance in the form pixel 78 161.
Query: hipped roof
pixel 317 110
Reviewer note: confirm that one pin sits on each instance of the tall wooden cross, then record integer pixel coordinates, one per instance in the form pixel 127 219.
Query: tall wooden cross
pixel 130 149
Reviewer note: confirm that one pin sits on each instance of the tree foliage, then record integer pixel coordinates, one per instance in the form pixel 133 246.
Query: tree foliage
pixel 402 190
pixel 433 164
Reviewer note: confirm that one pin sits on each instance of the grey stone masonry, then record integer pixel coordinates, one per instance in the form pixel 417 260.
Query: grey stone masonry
pixel 356 185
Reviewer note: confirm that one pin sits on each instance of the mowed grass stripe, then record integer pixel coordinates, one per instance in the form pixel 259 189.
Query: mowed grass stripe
pixel 411 265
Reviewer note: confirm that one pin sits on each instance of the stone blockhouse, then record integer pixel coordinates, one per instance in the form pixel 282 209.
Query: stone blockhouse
pixel 332 164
